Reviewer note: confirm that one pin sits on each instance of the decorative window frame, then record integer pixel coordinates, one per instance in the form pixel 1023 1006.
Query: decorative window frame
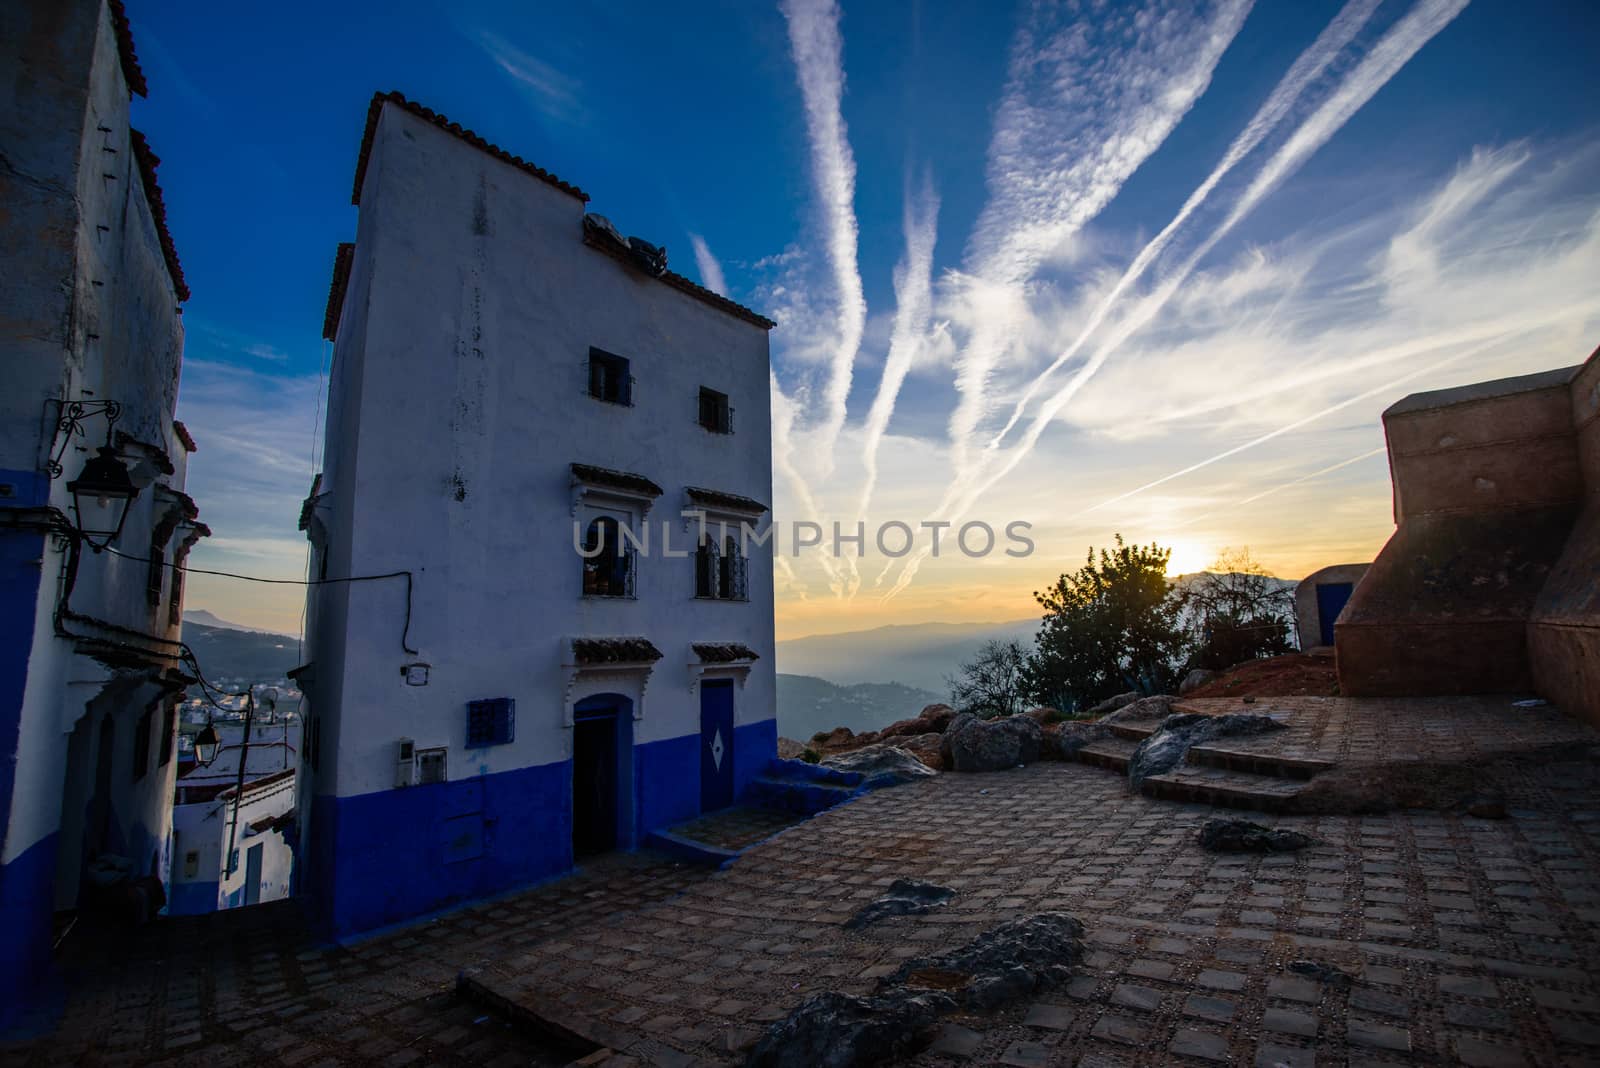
pixel 701 669
pixel 632 675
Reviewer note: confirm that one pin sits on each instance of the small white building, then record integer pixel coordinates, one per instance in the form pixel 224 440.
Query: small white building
pixel 232 847
pixel 90 671
pixel 515 385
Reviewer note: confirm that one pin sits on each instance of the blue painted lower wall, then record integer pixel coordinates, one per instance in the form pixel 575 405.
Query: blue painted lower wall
pixel 192 898
pixel 27 898
pixel 385 857
pixel 754 745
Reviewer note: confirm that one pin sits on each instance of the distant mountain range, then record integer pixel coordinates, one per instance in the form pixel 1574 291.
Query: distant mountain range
pixel 808 705
pixel 231 652
pixel 916 655
pixel 208 619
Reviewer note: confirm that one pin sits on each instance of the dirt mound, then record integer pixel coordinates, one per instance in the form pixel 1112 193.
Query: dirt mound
pixel 1293 675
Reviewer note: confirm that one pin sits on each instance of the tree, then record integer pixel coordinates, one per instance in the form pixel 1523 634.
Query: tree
pixel 1236 612
pixel 994 682
pixel 1109 627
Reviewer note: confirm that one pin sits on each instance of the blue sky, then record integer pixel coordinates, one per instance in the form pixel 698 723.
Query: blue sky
pixel 1241 231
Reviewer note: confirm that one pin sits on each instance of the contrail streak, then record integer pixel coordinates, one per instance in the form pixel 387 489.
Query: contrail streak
pixel 1051 169
pixel 1330 469
pixel 913 290
pixel 710 270
pixel 1386 58
pixel 1305 71
pixel 818 58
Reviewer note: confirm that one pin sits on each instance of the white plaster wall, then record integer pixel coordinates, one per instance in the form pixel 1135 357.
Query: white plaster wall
pixel 96 317
pixel 204 827
pixel 465 334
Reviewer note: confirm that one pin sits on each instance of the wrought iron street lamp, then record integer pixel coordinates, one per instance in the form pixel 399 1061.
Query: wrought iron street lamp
pixel 100 498
pixel 206 743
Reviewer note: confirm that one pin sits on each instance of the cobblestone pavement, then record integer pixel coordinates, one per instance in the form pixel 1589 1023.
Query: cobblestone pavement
pixel 736 828
pixel 1470 940
pixel 248 987
pixel 1389 730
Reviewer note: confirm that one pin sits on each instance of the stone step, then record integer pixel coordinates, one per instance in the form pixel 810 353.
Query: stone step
pixel 805 798
pixel 1134 732
pixel 1216 786
pixel 1278 765
pixel 1109 753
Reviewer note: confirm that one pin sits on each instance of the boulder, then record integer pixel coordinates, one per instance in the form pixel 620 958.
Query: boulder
pixel 1043 715
pixel 833 1030
pixel 1111 704
pixel 834 740
pixel 1172 740
pixel 1143 708
pixel 789 749
pixel 1195 679
pixel 906 897
pixel 991 745
pixel 1009 962
pixel 1067 738
pixel 1242 836
pixel 927 748
pixel 931 720
pixel 881 765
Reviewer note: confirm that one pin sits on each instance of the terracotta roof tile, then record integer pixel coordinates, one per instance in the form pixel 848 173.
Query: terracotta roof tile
pixel 595 238
pixel 614 650
pixel 724 652
pixel 428 114
pixel 605 476
pixel 148 161
pixel 130 62
pixel 184 436
pixel 341 278
pixel 731 501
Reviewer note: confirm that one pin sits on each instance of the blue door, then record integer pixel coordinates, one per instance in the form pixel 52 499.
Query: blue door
pixel 1331 598
pixel 716 744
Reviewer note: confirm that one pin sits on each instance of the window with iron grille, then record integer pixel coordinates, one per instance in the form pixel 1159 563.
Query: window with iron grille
pixel 141 745
pixel 705 568
pixel 169 731
pixel 733 586
pixel 608 560
pixel 431 766
pixel 609 379
pixel 491 722
pixel 175 592
pixel 152 582
pixel 716 414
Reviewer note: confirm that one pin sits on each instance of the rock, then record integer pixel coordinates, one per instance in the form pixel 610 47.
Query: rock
pixel 991 745
pixel 833 1030
pixel 1111 704
pixel 1322 973
pixel 789 749
pixel 1166 748
pixel 833 739
pixel 906 897
pixel 959 722
pixel 1242 836
pixel 882 765
pixel 1071 737
pixel 931 720
pixel 1195 679
pixel 926 748
pixel 1145 708
pixel 1002 965
pixel 1042 715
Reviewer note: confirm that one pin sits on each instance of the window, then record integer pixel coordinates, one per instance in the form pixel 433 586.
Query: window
pixel 706 571
pixel 158 568
pixel 733 572
pixel 175 592
pixel 191 864
pixel 608 378
pixel 715 413
pixel 431 766
pixel 141 744
pixel 169 730
pixel 491 722
pixel 607 560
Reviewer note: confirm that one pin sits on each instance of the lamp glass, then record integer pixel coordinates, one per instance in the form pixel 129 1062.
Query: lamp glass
pixel 100 497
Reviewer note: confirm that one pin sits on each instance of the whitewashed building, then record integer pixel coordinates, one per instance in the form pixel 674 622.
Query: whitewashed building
pixel 90 356
pixel 512 382
pixel 233 847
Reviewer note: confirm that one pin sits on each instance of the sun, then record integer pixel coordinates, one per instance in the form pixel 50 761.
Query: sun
pixel 1188 557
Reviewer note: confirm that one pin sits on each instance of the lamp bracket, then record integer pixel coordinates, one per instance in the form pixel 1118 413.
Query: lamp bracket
pixel 70 417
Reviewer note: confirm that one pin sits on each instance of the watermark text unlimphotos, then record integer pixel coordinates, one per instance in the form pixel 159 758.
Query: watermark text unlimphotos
pixel 895 538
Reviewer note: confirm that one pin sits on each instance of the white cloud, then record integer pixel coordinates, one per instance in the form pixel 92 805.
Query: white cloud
pixel 710 270
pixel 555 95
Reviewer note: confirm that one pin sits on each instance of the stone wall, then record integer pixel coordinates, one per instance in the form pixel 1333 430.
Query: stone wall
pixel 1491 581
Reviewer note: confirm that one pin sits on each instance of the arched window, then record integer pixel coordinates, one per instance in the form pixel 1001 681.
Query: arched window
pixel 706 570
pixel 607 560
pixel 733 571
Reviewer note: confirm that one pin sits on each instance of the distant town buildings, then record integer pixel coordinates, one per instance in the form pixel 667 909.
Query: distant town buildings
pixel 550 656
pixel 92 508
pixel 231 847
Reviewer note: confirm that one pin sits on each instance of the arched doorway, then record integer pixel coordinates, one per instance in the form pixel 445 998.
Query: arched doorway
pixel 602 774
